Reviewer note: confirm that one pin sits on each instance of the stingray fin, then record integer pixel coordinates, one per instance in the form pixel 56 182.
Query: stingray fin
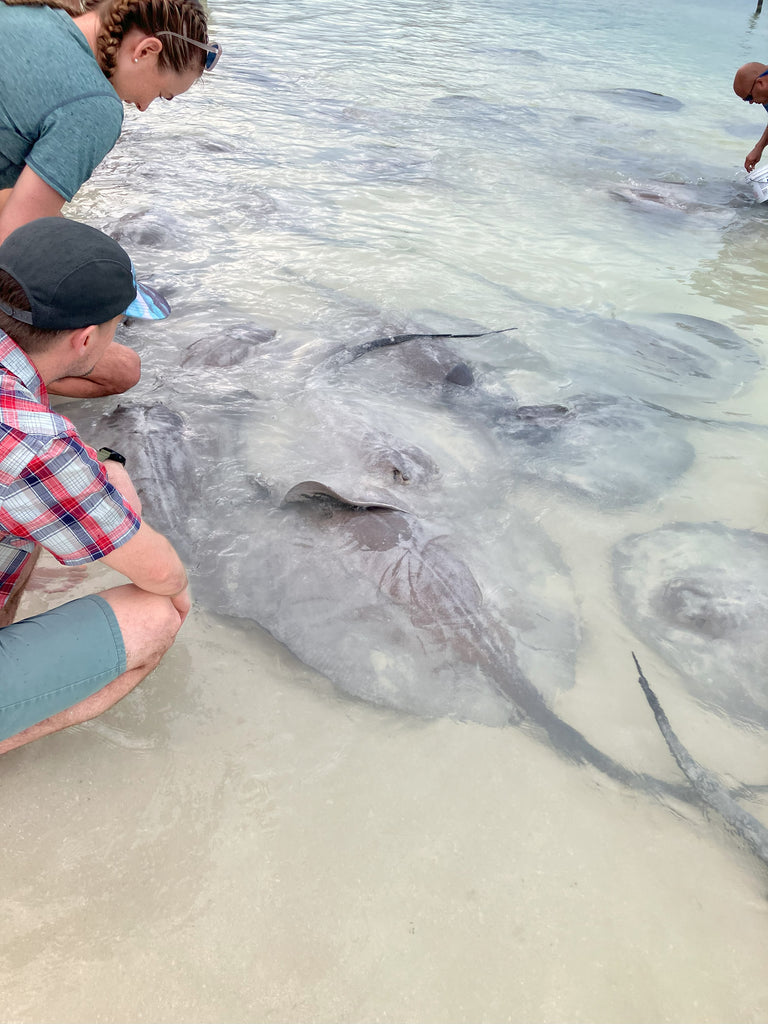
pixel 309 490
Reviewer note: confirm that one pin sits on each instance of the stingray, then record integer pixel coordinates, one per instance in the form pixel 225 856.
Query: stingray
pixel 613 450
pixel 660 357
pixel 381 601
pixel 150 228
pixel 227 346
pixel 697 593
pixel 309 490
pixel 659 197
pixel 479 114
pixel 640 98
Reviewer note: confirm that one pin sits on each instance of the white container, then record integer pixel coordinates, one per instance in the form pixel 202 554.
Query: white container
pixel 759 181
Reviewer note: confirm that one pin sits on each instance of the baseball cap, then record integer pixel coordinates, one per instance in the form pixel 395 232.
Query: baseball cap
pixel 73 276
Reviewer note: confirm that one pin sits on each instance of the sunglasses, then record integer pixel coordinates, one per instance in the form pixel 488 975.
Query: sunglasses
pixel 749 99
pixel 213 49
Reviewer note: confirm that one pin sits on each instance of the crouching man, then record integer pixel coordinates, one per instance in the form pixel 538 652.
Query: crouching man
pixel 64 289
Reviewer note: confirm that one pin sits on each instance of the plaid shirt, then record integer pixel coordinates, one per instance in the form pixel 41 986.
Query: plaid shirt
pixel 53 490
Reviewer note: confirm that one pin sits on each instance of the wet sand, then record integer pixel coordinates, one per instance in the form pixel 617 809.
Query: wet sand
pixel 235 842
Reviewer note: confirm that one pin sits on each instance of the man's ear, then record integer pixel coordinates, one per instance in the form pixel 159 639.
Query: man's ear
pixel 80 340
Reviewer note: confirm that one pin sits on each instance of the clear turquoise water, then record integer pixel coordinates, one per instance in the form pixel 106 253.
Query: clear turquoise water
pixel 262 850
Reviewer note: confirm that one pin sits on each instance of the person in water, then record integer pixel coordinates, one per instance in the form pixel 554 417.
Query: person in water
pixel 64 288
pixel 64 76
pixel 751 85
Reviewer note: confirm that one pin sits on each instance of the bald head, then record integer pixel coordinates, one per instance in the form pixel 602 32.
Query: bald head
pixel 745 78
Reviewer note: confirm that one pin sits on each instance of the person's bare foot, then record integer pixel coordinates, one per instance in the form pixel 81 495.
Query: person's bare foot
pixel 56 579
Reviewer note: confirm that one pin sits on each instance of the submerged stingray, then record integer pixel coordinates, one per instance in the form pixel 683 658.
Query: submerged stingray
pixel 659 357
pixel 663 197
pixel 150 228
pixel 382 602
pixel 641 98
pixel 697 593
pixel 227 346
pixel 615 451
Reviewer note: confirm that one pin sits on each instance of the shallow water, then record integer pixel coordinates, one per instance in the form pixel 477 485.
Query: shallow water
pixel 237 840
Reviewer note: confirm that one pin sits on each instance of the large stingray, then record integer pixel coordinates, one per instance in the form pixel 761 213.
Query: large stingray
pixel 698 594
pixel 307 573
pixel 383 602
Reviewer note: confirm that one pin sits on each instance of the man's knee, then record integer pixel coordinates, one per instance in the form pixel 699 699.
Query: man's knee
pixel 125 371
pixel 148 623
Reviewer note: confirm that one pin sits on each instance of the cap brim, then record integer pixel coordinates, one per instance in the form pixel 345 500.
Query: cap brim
pixel 148 304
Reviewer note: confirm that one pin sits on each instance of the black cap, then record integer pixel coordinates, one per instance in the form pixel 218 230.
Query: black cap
pixel 73 276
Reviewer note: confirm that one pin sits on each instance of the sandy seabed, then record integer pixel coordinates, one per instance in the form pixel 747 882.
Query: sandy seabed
pixel 234 842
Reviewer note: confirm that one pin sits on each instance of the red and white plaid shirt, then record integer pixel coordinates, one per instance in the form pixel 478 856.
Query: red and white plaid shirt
pixel 53 490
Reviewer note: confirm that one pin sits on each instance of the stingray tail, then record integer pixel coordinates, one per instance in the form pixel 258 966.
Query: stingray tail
pixel 706 785
pixel 401 339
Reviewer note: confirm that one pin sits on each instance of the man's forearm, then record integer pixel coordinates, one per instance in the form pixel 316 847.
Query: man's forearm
pixel 754 155
pixel 149 560
pixel 763 140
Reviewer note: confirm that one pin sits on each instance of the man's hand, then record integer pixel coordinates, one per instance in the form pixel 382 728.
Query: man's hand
pixel 182 603
pixel 753 159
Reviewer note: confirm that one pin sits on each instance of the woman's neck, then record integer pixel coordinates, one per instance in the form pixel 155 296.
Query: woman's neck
pixel 89 24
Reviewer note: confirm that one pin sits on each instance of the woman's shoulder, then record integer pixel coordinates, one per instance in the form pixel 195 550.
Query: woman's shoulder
pixel 32 34
pixel 20 17
pixel 45 44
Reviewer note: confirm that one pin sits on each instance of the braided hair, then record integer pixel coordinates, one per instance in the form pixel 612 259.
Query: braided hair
pixel 185 17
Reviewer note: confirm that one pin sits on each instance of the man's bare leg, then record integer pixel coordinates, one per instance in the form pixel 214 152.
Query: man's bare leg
pixel 11 606
pixel 149 624
pixel 117 371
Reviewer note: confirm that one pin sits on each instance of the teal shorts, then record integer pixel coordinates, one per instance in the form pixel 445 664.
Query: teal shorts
pixel 52 661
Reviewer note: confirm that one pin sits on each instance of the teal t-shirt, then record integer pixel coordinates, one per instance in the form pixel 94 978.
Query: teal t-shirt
pixel 58 111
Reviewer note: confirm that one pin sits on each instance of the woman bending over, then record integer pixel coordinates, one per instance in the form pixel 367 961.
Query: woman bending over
pixel 64 76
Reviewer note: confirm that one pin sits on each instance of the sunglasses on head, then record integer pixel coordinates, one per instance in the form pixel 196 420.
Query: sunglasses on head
pixel 749 99
pixel 213 49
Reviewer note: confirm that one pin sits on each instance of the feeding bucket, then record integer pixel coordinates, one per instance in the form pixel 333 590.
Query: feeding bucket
pixel 759 181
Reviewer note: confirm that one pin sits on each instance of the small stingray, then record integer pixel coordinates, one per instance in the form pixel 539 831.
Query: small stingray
pixel 227 346
pixel 155 229
pixel 614 451
pixel 697 593
pixel 640 98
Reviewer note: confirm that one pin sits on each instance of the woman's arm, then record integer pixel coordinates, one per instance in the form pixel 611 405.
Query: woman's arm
pixel 29 199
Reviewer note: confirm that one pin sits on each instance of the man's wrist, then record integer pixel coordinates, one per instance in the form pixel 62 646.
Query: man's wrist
pixel 110 455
